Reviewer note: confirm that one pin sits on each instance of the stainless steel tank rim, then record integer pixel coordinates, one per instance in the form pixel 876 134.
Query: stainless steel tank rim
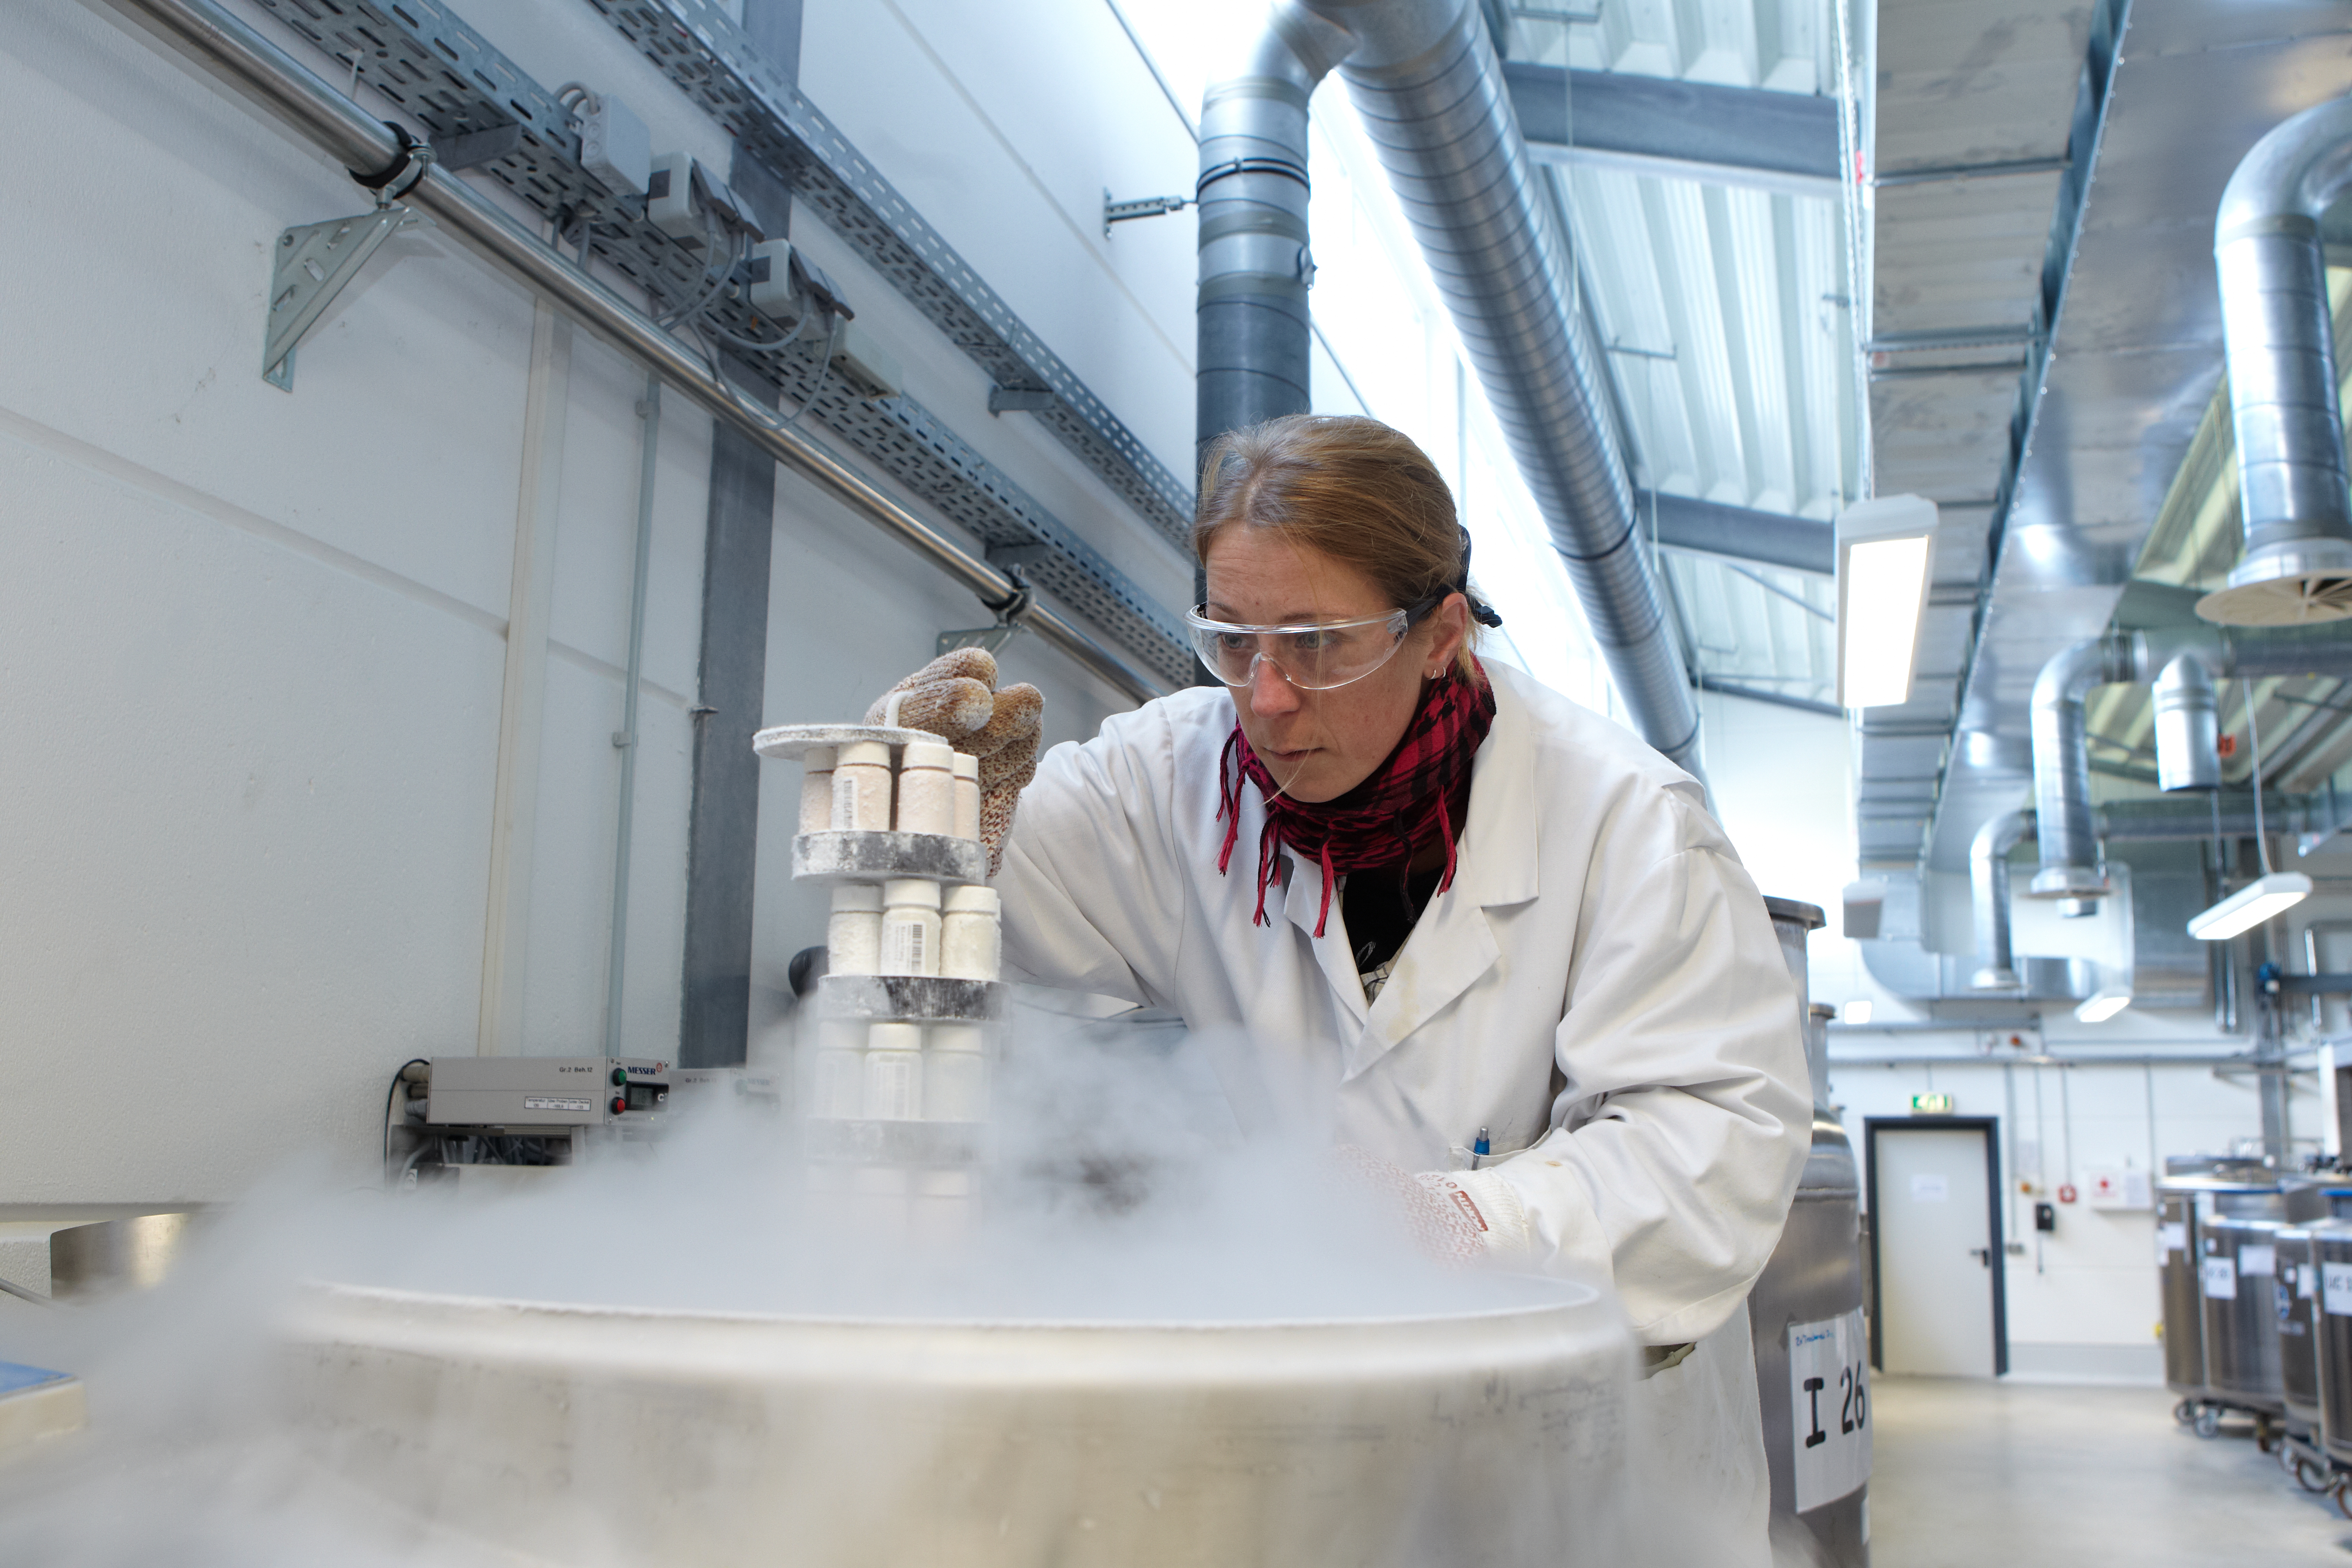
pixel 609 1312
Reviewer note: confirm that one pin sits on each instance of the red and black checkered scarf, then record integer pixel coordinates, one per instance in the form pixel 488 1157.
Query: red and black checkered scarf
pixel 1424 783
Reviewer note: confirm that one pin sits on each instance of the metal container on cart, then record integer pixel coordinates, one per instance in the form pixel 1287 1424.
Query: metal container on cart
pixel 2236 1260
pixel 2297 1286
pixel 1806 1314
pixel 2331 1338
pixel 2194 1194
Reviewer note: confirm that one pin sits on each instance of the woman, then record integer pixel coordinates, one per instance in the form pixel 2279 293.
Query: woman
pixel 1470 906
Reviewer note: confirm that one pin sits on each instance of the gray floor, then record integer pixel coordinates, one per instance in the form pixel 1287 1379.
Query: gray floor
pixel 1971 1473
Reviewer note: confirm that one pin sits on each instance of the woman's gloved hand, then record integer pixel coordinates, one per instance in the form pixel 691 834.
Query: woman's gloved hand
pixel 955 698
pixel 1453 1216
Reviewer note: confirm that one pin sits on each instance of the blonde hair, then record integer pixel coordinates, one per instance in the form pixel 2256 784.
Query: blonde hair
pixel 1349 488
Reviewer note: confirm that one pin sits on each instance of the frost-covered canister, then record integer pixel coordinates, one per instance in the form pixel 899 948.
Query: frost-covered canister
pixel 955 1081
pixel 894 1072
pixel 861 788
pixel 852 933
pixel 816 789
pixel 837 1077
pixel 967 795
pixel 969 942
pixel 927 788
pixel 911 926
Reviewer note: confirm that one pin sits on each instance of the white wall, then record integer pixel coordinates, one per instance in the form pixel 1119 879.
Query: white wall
pixel 252 644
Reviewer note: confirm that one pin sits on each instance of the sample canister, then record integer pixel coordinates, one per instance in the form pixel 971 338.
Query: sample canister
pixel 967 795
pixel 861 788
pixel 894 1072
pixel 837 1082
pixel 955 1082
pixel 970 942
pixel 816 789
pixel 853 932
pixel 911 926
pixel 927 788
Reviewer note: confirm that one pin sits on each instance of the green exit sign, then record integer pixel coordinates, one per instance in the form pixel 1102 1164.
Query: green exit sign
pixel 1931 1105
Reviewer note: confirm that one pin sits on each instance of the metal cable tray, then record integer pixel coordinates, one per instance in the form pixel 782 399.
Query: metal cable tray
pixel 909 999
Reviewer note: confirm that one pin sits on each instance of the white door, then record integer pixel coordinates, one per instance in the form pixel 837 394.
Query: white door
pixel 1934 1228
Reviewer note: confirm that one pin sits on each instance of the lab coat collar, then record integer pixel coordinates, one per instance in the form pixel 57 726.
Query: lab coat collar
pixel 1453 946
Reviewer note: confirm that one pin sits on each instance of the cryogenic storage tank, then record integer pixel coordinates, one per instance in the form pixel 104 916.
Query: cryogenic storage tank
pixel 2193 1192
pixel 1806 1314
pixel 2299 1289
pixel 622 1436
pixel 2331 1339
pixel 2238 1263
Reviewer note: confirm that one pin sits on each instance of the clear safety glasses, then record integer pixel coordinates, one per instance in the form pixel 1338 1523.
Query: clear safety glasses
pixel 1312 657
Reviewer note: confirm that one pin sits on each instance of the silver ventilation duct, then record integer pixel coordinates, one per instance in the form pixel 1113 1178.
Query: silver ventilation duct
pixel 1424 75
pixel 2274 320
pixel 2062 759
pixel 1989 883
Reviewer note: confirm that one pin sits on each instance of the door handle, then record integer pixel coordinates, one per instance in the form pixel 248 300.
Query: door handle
pixel 1982 1255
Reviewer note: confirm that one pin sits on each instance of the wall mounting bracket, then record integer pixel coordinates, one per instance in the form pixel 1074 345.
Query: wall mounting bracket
pixel 311 266
pixel 1142 206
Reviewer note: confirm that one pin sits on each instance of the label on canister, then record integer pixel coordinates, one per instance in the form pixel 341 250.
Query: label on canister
pixel 2336 1288
pixel 2258 1258
pixel 2219 1275
pixel 1829 1401
pixel 2171 1238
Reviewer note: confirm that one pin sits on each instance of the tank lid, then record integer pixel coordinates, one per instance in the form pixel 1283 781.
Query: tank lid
pixel 1809 916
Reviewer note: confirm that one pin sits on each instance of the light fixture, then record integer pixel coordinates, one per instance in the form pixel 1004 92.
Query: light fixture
pixel 2103 1004
pixel 2249 906
pixel 1858 1010
pixel 1883 550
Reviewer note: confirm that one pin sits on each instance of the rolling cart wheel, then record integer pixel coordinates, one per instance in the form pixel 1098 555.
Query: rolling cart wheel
pixel 2209 1424
pixel 2310 1477
pixel 2337 1493
pixel 2185 1412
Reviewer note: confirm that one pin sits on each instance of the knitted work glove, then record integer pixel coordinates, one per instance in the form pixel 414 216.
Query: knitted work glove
pixel 955 698
pixel 1452 1216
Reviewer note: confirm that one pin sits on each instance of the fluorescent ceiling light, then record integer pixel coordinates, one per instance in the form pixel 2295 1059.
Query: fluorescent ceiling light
pixel 2249 906
pixel 1858 1010
pixel 1883 549
pixel 2103 1004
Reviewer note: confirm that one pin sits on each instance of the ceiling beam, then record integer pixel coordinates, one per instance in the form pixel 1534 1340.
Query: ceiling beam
pixel 1767 538
pixel 1785 142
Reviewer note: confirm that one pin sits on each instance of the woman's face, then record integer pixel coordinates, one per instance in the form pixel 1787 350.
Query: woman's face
pixel 1319 745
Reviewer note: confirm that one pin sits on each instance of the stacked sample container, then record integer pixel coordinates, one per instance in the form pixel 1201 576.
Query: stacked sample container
pixel 894 1085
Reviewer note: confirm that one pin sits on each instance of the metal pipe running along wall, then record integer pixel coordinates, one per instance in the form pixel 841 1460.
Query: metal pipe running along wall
pixel 225 46
pixel 1423 75
pixel 2062 753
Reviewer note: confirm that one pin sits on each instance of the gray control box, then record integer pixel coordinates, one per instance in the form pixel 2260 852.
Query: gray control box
pixel 544 1092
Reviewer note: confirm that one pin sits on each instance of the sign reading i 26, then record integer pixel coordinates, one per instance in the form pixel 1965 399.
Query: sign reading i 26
pixel 1829 1401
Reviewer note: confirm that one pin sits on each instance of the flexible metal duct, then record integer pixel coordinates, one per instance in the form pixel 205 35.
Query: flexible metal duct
pixel 1424 75
pixel 1988 884
pixel 2274 322
pixel 2062 759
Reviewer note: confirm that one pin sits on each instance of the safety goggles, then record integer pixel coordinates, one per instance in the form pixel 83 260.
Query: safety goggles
pixel 1314 657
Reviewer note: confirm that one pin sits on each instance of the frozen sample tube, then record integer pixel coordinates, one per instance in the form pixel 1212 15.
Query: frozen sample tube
pixel 861 788
pixel 816 789
pixel 894 1072
pixel 911 926
pixel 967 796
pixel 971 944
pixel 927 788
pixel 837 1084
pixel 955 1085
pixel 852 933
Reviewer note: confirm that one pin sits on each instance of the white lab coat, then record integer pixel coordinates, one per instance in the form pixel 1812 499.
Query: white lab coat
pixel 1601 988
